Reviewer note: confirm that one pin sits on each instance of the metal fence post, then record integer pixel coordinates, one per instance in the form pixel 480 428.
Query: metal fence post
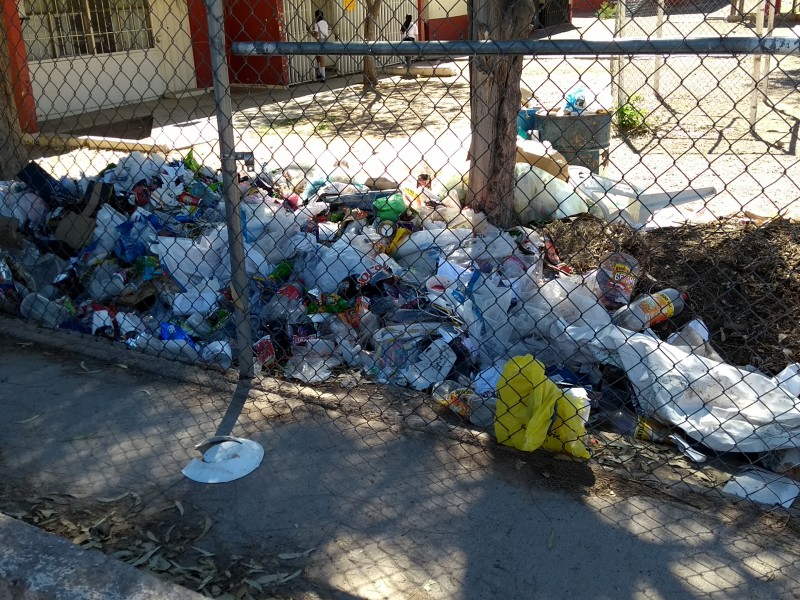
pixel 222 97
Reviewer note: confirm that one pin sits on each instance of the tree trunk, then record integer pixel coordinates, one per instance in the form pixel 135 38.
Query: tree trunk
pixel 14 154
pixel 495 102
pixel 370 80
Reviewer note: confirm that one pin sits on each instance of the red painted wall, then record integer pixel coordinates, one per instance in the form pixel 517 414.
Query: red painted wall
pixel 20 75
pixel 585 8
pixel 201 46
pixel 449 29
pixel 250 21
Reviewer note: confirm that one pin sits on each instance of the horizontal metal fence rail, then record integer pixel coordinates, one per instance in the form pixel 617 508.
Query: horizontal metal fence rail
pixel 623 47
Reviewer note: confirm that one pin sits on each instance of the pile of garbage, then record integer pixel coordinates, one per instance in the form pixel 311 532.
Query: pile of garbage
pixel 400 281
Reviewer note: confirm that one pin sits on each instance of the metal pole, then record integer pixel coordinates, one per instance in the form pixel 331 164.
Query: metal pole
pixel 616 61
pixel 760 13
pixel 720 45
pixel 659 60
pixel 770 30
pixel 233 197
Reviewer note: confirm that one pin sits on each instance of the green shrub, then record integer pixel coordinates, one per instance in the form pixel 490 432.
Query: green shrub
pixel 631 115
pixel 607 10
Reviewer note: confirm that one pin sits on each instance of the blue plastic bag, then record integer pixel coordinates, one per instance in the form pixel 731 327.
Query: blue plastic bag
pixel 134 240
pixel 577 100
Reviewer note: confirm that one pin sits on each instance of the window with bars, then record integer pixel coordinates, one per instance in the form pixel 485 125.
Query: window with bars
pixel 63 28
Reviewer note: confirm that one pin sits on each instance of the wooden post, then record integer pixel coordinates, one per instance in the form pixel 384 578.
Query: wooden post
pixel 13 153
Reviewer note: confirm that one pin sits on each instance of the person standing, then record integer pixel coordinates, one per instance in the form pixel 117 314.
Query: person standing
pixel 409 31
pixel 320 30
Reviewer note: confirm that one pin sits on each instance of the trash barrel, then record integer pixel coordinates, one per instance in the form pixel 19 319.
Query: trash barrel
pixel 527 121
pixel 582 139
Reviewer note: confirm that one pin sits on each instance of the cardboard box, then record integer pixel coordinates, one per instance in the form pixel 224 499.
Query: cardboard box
pixel 76 229
pixel 542 156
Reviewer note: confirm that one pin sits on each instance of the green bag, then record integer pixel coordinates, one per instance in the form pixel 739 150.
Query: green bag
pixel 389 209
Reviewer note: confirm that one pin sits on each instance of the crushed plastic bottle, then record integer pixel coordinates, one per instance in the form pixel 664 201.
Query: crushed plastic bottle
pixel 626 423
pixel 285 305
pixel 465 402
pixel 650 310
pixel 48 312
pixel 616 279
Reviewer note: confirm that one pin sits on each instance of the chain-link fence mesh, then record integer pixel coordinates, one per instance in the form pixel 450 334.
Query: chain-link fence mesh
pixel 592 254
pixel 701 89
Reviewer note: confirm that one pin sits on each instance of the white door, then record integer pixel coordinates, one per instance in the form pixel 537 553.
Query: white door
pixel 172 37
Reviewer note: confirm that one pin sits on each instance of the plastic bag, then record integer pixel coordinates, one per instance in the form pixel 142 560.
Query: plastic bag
pixel 107 282
pixel 540 197
pixel 273 239
pixel 568 431
pixel 569 299
pixel 217 353
pixel 432 366
pixel 191 262
pixel 389 209
pixel 578 100
pixel 724 407
pixel 529 405
pixel 106 232
pixel 135 168
pixel 25 207
pixel 134 240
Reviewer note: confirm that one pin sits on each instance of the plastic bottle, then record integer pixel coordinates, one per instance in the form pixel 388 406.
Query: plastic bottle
pixel 465 403
pixel 631 425
pixel 649 310
pixel 616 279
pixel 285 305
pixel 38 308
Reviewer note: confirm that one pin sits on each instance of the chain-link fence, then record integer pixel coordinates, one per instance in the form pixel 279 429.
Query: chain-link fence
pixel 575 242
pixel 702 89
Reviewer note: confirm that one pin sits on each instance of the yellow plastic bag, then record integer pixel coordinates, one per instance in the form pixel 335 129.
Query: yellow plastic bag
pixel 532 412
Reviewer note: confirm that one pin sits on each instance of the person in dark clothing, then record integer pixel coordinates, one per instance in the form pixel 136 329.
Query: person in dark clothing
pixel 409 32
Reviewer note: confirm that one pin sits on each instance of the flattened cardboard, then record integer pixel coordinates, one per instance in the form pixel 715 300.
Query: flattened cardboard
pixel 76 229
pixel 547 158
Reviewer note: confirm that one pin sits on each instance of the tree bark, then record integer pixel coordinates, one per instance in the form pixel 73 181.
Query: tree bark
pixel 495 102
pixel 370 79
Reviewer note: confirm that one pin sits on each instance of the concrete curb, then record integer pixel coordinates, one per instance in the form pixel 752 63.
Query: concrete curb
pixel 35 565
pixel 71 342
pixel 445 70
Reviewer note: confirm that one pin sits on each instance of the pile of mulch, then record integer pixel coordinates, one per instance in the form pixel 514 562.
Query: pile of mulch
pixel 742 277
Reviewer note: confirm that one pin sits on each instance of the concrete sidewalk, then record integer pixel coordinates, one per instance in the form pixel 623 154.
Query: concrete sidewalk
pixel 384 511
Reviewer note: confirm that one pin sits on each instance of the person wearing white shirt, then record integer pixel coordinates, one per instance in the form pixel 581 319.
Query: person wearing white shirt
pixel 409 32
pixel 320 30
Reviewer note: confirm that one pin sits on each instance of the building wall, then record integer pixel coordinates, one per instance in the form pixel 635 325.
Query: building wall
pixel 251 21
pixel 446 20
pixel 85 83
pixel 78 84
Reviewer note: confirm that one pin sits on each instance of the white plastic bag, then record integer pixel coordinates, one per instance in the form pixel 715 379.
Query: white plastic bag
pixel 568 299
pixel 191 262
pixel 538 196
pixel 24 207
pixel 105 231
pixel 432 366
pixel 724 407
pixel 134 168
